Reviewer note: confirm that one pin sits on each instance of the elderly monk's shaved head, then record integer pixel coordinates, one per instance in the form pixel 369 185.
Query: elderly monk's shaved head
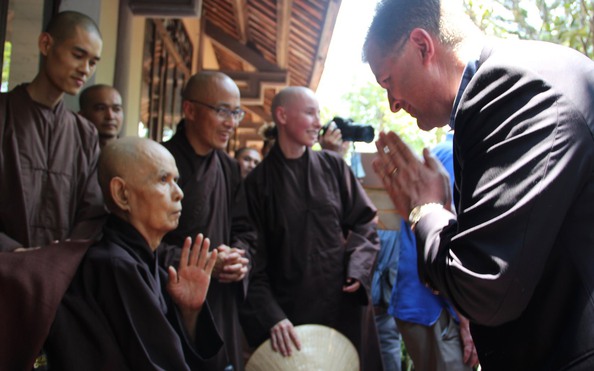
pixel 204 85
pixel 63 25
pixel 132 159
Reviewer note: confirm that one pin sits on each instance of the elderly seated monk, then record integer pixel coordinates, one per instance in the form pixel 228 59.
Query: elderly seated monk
pixel 123 310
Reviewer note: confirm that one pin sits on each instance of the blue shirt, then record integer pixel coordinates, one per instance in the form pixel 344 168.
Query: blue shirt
pixel 411 301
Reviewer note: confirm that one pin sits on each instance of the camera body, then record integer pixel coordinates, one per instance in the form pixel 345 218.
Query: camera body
pixel 351 131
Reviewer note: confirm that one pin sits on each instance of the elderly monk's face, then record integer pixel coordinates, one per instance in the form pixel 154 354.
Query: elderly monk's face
pixel 154 196
pixel 71 62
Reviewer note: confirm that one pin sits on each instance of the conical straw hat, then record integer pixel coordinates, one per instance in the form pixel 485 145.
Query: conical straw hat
pixel 322 349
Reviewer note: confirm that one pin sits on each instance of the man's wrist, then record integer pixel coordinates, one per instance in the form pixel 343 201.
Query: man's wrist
pixel 420 211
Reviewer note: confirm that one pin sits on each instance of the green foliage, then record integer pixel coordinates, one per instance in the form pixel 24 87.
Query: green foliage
pixel 570 23
pixel 6 63
pixel 369 106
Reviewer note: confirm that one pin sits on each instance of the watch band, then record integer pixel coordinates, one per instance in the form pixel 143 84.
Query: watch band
pixel 420 211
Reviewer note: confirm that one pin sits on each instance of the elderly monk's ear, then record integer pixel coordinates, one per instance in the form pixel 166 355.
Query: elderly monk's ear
pixel 119 193
pixel 45 42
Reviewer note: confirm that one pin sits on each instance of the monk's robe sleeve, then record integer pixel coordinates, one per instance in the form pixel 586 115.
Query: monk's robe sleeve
pixel 358 220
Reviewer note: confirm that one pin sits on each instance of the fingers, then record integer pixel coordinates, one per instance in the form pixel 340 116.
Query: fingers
pixel 183 262
pixel 196 249
pixel 212 258
pixel 172 278
pixel 281 337
pixel 352 285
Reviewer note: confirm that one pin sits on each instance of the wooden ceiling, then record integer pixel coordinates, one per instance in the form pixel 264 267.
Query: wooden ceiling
pixel 265 45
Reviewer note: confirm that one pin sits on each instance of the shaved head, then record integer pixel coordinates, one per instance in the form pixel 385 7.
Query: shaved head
pixel 63 25
pixel 125 158
pixel 205 84
pixel 287 96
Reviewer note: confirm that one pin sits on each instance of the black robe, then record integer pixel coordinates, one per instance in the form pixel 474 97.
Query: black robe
pixel 214 204
pixel 48 183
pixel 117 314
pixel 315 228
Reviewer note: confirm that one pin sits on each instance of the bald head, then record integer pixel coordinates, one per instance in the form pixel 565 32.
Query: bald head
pixel 205 84
pixel 63 25
pixel 286 97
pixel 127 158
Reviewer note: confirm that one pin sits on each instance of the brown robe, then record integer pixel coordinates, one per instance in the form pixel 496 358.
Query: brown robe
pixel 118 315
pixel 48 183
pixel 214 204
pixel 30 299
pixel 315 228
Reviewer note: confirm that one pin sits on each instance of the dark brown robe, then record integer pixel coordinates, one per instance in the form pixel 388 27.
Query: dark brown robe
pixel 29 299
pixel 214 204
pixel 315 228
pixel 48 183
pixel 117 314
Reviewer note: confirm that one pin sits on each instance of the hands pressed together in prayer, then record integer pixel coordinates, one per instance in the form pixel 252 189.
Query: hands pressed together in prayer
pixel 410 181
pixel 231 265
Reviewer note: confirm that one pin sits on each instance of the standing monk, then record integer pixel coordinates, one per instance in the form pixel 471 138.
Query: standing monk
pixel 317 241
pixel 48 154
pixel 214 202
pixel 102 105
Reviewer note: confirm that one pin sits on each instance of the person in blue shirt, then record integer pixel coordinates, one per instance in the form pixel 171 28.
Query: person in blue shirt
pixel 429 325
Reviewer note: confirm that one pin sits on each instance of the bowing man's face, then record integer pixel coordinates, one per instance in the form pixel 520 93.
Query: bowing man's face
pixel 153 194
pixel 414 79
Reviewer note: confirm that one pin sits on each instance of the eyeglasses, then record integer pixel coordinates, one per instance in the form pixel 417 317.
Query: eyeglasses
pixel 223 113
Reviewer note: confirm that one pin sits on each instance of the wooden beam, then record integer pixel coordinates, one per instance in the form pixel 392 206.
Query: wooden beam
pixel 259 111
pixel 283 23
pixel 242 51
pixel 239 9
pixel 170 45
pixel 324 43
pixel 252 84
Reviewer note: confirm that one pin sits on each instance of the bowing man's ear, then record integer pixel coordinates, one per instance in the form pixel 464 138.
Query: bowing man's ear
pixel 119 193
pixel 424 44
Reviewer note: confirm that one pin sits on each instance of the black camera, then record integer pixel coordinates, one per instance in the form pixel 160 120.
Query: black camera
pixel 351 131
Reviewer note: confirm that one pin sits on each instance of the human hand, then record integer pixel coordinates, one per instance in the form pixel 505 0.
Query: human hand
pixel 189 284
pixel 470 355
pixel 409 180
pixel 231 265
pixel 332 139
pixel 351 285
pixel 281 337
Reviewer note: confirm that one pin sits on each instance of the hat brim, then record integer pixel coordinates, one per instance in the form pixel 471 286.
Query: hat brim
pixel 322 348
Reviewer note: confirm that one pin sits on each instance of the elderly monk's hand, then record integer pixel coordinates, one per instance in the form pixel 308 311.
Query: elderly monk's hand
pixel 410 181
pixel 231 265
pixel 281 337
pixel 189 284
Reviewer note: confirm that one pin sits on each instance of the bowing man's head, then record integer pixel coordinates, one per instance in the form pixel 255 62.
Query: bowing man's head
pixel 138 178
